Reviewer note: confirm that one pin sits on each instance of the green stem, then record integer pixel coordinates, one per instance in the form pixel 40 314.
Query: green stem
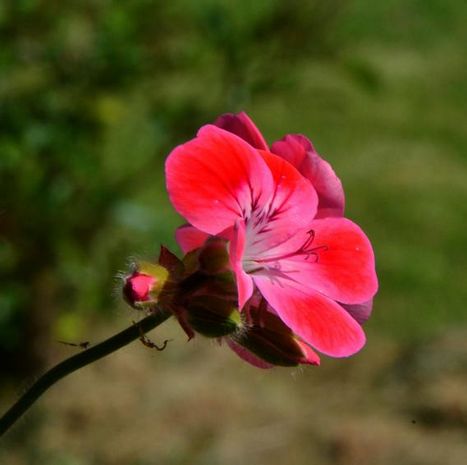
pixel 78 361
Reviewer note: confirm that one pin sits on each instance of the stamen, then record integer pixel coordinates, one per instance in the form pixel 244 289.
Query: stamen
pixel 305 249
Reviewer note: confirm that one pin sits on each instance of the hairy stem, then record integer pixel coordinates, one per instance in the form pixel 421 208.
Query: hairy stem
pixel 78 361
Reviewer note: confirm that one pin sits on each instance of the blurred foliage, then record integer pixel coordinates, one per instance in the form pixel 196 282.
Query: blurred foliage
pixel 93 95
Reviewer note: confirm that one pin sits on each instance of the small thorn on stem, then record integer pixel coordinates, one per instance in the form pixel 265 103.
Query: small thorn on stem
pixel 82 345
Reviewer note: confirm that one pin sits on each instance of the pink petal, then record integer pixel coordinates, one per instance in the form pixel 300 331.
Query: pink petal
pixel 241 125
pixel 299 151
pixel 293 193
pixel 360 312
pixel 189 238
pixel 247 355
pixel 244 281
pixel 339 263
pixel 319 321
pixel 291 208
pixel 310 357
pixel 216 178
pixel 346 270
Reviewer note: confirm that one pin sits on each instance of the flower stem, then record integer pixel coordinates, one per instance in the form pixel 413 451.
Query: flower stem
pixel 78 361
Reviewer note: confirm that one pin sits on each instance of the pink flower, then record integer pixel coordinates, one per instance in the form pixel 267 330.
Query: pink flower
pixel 282 213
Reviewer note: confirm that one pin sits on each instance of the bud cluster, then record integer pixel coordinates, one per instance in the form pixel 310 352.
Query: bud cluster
pixel 201 292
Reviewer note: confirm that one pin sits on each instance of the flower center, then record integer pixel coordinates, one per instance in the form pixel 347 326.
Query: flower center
pixel 258 258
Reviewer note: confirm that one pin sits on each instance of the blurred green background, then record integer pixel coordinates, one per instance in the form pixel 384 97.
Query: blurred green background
pixel 94 94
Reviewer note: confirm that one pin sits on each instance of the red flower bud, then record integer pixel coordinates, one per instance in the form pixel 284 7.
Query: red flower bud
pixel 137 287
pixel 268 338
pixel 145 284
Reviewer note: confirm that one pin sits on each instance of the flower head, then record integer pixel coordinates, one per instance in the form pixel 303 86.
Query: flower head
pixel 281 210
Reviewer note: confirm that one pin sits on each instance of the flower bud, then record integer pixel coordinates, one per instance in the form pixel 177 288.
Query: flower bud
pixel 267 337
pixel 213 257
pixel 143 287
pixel 212 316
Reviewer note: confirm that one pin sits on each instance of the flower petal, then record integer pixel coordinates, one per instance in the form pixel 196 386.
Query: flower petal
pixel 189 238
pixel 292 192
pixel 345 271
pixel 292 207
pixel 299 151
pixel 339 263
pixel 216 178
pixel 360 312
pixel 244 281
pixel 241 125
pixel 310 357
pixel 246 355
pixel 319 321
